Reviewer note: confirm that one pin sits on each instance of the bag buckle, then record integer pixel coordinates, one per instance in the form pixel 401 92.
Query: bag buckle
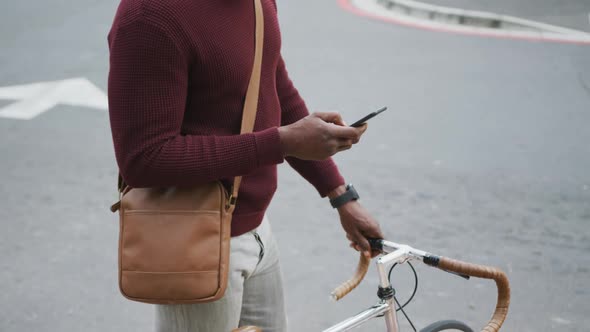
pixel 231 201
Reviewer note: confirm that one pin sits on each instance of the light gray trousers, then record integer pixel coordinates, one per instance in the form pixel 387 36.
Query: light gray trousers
pixel 254 294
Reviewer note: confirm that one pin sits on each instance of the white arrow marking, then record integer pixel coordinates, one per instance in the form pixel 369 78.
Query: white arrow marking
pixel 40 97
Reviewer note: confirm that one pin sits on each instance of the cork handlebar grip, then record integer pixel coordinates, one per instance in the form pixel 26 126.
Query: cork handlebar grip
pixel 486 272
pixel 351 284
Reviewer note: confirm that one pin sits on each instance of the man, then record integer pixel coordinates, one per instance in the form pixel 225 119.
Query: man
pixel 179 70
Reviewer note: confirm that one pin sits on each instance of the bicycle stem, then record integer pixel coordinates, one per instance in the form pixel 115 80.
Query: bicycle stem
pixel 389 247
pixel 385 286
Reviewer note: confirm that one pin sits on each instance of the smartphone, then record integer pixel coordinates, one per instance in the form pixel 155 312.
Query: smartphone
pixel 366 118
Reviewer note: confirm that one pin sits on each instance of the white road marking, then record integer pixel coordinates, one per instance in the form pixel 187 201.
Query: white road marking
pixel 37 98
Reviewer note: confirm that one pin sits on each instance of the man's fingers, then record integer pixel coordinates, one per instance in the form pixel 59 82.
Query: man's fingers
pixel 339 128
pixel 331 117
pixel 344 147
pixel 363 128
pixel 344 132
pixel 372 253
pixel 353 241
pixel 362 242
pixel 345 141
pixel 355 246
pixel 344 144
pixel 369 253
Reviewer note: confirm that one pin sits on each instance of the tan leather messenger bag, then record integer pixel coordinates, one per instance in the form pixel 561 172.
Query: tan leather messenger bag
pixel 174 242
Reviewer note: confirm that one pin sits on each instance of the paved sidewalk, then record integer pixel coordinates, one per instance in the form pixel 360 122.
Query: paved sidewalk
pixel 571 14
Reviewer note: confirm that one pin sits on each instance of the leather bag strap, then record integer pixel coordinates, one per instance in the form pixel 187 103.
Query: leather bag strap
pixel 252 95
pixel 251 102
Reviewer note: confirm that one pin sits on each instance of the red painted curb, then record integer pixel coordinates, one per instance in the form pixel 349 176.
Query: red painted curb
pixel 346 5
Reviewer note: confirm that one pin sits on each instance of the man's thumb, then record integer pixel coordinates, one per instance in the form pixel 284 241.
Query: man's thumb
pixel 331 117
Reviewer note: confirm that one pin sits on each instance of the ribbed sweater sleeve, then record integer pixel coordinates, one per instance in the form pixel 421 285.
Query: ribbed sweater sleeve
pixel 323 175
pixel 147 89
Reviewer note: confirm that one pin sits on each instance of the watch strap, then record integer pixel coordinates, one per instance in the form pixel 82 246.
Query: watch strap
pixel 350 195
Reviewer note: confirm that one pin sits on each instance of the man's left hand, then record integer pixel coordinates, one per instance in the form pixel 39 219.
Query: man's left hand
pixel 359 225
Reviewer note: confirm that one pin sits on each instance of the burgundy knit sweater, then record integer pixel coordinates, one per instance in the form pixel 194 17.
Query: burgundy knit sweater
pixel 179 70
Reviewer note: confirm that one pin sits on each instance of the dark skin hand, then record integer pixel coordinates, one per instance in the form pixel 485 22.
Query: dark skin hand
pixel 358 224
pixel 317 137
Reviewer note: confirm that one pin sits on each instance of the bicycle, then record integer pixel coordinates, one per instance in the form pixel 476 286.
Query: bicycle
pixel 388 305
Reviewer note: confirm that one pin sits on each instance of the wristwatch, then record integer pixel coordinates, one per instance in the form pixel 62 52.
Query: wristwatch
pixel 349 195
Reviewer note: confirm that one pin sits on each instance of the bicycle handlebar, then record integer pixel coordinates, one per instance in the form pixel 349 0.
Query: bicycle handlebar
pixel 356 279
pixel 486 272
pixel 445 264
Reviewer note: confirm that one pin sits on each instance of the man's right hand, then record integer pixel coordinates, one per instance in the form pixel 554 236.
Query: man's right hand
pixel 318 136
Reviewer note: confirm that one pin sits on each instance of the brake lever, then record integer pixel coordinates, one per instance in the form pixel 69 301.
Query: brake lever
pixel 376 244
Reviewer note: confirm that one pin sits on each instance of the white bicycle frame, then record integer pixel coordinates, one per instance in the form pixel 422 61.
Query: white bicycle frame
pixel 395 253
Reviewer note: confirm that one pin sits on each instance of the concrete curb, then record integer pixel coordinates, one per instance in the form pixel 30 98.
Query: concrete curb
pixel 433 17
pixel 472 18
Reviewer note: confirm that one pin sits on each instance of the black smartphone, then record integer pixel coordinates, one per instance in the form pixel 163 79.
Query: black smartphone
pixel 366 118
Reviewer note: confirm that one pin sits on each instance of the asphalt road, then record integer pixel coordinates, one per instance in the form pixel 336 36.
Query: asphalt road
pixel 573 14
pixel 483 156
